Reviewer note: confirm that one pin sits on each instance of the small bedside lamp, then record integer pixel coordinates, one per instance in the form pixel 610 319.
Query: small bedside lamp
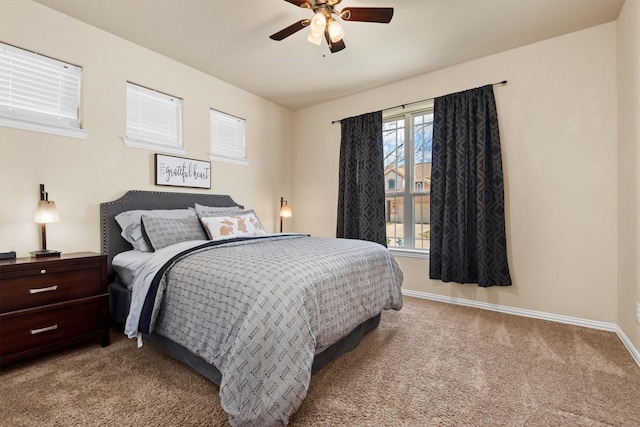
pixel 45 213
pixel 285 211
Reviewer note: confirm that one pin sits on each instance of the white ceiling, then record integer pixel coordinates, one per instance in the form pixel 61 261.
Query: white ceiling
pixel 229 39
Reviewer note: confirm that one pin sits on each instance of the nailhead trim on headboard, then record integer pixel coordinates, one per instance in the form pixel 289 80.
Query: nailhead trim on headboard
pixel 112 243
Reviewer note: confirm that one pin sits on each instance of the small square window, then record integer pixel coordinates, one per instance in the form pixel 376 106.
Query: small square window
pixel 154 120
pixel 227 138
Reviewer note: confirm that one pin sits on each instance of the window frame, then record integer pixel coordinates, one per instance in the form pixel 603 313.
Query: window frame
pixel 136 93
pixel 59 77
pixel 410 192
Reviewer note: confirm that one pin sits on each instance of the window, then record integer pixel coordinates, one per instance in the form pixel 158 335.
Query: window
pixel 39 93
pixel 153 120
pixel 407 141
pixel 392 184
pixel 227 138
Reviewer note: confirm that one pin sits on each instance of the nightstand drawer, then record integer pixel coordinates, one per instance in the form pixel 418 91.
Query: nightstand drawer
pixel 47 287
pixel 29 329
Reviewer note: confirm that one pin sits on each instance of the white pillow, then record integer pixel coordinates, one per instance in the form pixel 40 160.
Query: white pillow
pixel 243 224
pixel 131 224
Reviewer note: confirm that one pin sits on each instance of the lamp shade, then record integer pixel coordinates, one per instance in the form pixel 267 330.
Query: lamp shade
pixel 318 23
pixel 315 38
pixel 46 212
pixel 336 32
pixel 285 211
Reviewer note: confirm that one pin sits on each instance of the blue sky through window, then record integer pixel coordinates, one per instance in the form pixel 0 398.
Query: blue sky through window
pixel 393 140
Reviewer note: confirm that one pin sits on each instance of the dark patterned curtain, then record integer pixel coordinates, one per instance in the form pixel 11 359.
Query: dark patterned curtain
pixel 361 190
pixel 468 239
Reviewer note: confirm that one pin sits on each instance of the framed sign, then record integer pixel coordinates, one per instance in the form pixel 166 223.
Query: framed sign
pixel 180 172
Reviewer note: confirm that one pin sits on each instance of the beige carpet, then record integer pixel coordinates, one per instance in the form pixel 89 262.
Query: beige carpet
pixel 431 364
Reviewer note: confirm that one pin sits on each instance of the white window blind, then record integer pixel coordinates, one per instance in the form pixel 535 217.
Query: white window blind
pixel 153 118
pixel 227 137
pixel 36 90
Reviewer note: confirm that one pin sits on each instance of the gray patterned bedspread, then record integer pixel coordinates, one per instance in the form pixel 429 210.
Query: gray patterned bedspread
pixel 259 310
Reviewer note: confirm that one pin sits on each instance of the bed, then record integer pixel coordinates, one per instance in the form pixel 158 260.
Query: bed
pixel 256 313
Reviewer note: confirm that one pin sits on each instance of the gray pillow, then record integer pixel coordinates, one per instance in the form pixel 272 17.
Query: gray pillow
pixel 163 232
pixel 131 224
pixel 202 210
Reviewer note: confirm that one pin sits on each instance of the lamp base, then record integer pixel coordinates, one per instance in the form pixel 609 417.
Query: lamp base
pixel 44 253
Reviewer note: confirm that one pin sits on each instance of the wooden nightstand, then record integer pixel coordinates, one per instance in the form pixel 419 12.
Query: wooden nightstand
pixel 50 303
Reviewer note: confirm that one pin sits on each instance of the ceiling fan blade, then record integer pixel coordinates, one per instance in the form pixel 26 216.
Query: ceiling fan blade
pixel 334 46
pixel 300 3
pixel 368 14
pixel 293 28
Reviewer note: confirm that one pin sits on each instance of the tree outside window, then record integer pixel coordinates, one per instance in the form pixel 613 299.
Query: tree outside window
pixel 407 142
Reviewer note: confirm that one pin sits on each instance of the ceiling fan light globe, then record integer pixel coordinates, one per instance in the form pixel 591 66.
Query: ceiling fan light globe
pixel 336 32
pixel 318 23
pixel 315 38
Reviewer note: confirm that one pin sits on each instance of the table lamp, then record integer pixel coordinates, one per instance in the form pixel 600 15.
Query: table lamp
pixel 45 213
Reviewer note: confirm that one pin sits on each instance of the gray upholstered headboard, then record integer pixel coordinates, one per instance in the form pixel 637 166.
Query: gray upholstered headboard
pixel 112 243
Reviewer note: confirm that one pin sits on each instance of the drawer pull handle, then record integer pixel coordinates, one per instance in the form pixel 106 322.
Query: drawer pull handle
pixel 43 271
pixel 49 289
pixel 41 330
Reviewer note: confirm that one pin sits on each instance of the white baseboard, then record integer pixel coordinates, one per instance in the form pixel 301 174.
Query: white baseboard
pixel 604 326
pixel 627 343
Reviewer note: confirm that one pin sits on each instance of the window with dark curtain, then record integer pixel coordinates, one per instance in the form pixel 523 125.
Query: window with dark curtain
pixel 361 192
pixel 468 237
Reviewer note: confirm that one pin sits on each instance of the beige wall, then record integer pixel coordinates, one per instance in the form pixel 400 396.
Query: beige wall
pixel 558 122
pixel 79 174
pixel 629 169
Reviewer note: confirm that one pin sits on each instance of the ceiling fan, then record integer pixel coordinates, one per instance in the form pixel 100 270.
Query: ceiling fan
pixel 323 23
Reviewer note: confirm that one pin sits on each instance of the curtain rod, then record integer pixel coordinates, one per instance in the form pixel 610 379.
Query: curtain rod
pixel 504 82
